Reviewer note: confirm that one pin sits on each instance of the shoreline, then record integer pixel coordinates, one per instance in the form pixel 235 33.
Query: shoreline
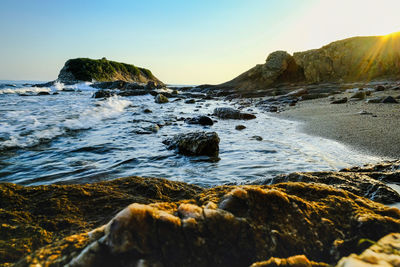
pixel 374 133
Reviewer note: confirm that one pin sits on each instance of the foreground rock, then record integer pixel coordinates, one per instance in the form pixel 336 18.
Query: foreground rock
pixel 358 183
pixel 34 216
pixel 103 70
pixel 195 144
pixel 231 113
pixel 386 252
pixel 229 226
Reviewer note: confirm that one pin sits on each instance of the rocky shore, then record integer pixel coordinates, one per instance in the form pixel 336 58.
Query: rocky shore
pixel 322 216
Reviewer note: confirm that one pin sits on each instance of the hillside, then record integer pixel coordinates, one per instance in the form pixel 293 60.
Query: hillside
pixel 357 59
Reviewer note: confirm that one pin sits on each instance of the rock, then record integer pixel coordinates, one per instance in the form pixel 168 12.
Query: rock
pixel 40 85
pixel 152 128
pixel 103 70
pixel 380 88
pixel 364 112
pixel 134 92
pixel 334 62
pixel 294 261
pixel 340 101
pixel 151 85
pixel 256 137
pixel 389 99
pixel 230 113
pixel 240 127
pixel 58 211
pixel 360 184
pixel 146 110
pixel 195 143
pixel 161 99
pixel 43 93
pixel 359 95
pixel 228 226
pixel 103 94
pixel 190 101
pixel 386 252
pixel 375 100
pixel 202 120
pixel 298 92
pixel 273 109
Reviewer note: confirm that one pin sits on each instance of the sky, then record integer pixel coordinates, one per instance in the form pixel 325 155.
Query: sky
pixel 181 42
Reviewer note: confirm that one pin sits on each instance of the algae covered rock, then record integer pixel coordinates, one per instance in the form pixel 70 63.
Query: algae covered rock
pixel 234 226
pixel 34 216
pixel 195 143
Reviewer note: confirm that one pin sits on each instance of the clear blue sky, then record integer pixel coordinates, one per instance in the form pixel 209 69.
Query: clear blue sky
pixel 187 42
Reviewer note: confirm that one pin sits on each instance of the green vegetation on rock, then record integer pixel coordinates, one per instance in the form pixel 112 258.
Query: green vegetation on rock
pixel 86 69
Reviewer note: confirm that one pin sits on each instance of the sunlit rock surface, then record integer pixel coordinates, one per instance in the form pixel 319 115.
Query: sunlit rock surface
pixel 349 60
pixel 386 252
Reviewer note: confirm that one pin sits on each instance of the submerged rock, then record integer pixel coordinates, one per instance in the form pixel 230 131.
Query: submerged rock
pixel 231 113
pixel 161 99
pixel 240 127
pixel 230 226
pixel 202 120
pixel 103 94
pixel 195 143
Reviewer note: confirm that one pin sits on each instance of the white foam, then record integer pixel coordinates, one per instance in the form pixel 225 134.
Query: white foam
pixel 24 90
pixel 110 108
pixel 29 130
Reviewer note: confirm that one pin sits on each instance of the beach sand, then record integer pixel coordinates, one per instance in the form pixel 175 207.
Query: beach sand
pixel 377 133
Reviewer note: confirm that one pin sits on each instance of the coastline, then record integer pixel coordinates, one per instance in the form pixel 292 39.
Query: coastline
pixel 372 133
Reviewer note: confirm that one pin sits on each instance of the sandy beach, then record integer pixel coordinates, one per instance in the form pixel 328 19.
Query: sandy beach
pixel 373 128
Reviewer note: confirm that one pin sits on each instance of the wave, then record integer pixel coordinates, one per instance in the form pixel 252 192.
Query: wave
pixel 30 133
pixel 24 90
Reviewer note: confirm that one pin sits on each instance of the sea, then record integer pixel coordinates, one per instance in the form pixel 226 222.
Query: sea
pixel 67 136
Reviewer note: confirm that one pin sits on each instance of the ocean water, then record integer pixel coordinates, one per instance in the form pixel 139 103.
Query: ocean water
pixel 71 137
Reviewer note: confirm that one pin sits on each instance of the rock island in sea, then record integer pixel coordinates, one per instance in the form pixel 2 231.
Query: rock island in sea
pixel 298 219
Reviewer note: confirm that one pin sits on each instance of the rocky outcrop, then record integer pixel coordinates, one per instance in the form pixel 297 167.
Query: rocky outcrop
pixel 229 226
pixel 195 143
pixel 103 70
pixel 279 67
pixel 354 59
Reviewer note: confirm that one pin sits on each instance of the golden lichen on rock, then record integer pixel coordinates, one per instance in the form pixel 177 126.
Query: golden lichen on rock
pixel 237 226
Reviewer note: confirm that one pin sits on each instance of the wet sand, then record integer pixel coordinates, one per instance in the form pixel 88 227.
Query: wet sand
pixel 377 133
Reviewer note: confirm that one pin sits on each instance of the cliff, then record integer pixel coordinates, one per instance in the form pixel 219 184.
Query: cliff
pixel 103 70
pixel 357 59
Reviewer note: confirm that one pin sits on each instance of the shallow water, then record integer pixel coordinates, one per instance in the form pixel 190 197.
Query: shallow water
pixel 71 137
